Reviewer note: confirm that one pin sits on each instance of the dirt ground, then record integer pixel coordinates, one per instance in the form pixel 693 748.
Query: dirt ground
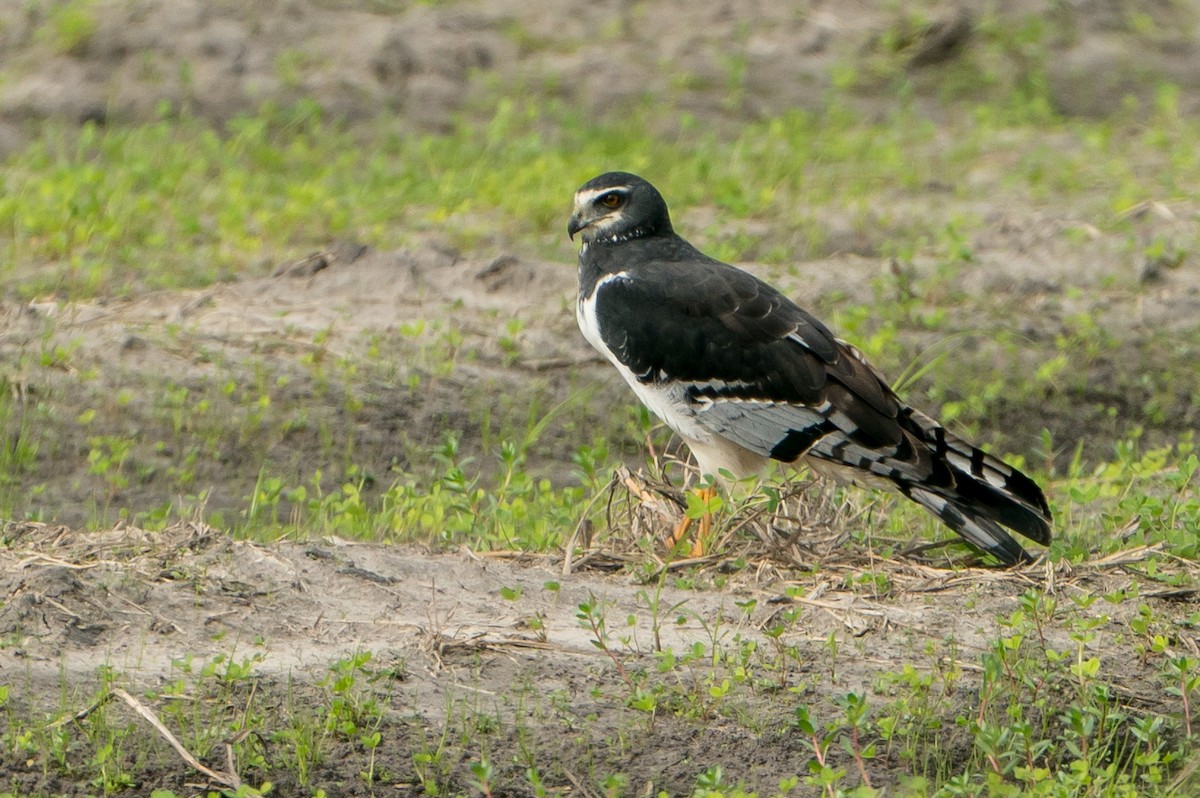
pixel 460 669
pixel 451 653
pixel 465 671
pixel 423 61
pixel 279 373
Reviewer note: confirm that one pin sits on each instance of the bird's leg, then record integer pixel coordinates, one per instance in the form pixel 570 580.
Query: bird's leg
pixel 681 529
pixel 705 495
pixel 702 535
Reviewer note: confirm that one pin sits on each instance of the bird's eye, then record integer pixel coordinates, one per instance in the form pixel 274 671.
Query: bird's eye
pixel 611 200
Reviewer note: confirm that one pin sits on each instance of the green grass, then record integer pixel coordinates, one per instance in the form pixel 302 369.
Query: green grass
pixel 175 203
pixel 117 211
pixel 69 26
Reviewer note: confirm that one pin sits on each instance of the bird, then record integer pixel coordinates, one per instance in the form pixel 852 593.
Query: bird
pixel 744 375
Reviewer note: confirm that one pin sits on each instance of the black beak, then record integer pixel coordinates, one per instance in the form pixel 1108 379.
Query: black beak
pixel 574 226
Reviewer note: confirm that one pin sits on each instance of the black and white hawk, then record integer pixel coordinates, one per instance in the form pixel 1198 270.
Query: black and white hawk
pixel 743 375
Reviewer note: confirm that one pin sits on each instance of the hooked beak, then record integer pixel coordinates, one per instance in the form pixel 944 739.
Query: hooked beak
pixel 576 224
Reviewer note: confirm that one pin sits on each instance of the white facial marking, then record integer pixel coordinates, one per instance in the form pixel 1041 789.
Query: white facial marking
pixel 598 227
pixel 587 196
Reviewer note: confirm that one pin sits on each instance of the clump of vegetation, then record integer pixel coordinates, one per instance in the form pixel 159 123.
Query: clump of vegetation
pixel 69 26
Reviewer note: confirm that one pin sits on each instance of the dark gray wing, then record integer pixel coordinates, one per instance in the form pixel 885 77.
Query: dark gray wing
pixel 773 379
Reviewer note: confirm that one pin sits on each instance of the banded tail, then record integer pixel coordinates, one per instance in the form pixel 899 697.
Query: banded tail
pixel 982 496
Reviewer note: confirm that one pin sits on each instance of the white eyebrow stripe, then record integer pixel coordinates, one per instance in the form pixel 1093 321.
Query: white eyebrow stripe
pixel 584 196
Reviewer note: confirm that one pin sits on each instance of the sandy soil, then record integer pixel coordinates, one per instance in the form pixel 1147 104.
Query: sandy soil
pixel 448 651
pixel 422 61
pixel 511 678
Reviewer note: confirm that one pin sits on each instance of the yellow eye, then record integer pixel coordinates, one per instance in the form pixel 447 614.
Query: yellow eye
pixel 611 200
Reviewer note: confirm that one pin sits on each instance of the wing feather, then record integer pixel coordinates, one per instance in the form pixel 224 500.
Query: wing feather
pixel 738 339
pixel 760 372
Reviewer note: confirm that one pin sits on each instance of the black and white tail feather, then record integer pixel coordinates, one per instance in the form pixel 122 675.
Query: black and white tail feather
pixel 743 375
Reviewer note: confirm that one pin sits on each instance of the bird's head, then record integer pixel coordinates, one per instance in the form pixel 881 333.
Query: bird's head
pixel 618 206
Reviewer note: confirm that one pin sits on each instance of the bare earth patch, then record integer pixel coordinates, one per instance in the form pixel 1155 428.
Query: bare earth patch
pixel 489 657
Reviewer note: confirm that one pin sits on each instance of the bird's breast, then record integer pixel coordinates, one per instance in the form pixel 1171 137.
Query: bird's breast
pixel 666 398
pixel 588 319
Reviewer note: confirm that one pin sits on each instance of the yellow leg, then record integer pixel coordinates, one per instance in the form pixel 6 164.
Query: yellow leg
pixel 705 531
pixel 680 532
pixel 685 523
